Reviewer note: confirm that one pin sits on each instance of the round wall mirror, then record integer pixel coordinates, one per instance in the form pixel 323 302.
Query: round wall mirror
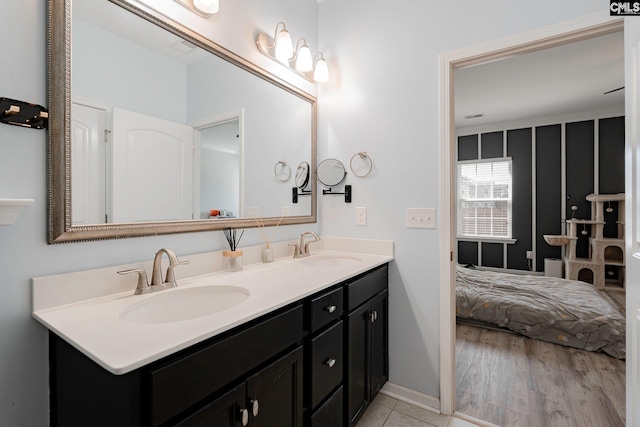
pixel 331 172
pixel 302 175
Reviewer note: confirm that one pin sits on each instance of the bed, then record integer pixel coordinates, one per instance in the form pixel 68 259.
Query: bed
pixel 560 311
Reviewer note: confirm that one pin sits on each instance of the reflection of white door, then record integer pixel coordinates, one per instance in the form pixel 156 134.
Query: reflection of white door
pixel 87 164
pixel 632 220
pixel 152 168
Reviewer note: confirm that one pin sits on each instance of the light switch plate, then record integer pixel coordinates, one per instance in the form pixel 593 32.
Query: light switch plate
pixel 285 211
pixel 421 218
pixel 361 216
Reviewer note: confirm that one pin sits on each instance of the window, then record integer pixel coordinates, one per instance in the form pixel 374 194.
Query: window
pixel 484 198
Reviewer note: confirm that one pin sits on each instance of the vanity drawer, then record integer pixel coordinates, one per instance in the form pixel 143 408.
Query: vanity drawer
pixel 330 413
pixel 325 309
pixel 365 287
pixel 180 384
pixel 327 363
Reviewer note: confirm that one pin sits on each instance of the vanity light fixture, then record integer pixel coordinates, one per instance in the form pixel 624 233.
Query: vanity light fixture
pixel 303 58
pixel 204 8
pixel 321 70
pixel 282 45
pixel 280 48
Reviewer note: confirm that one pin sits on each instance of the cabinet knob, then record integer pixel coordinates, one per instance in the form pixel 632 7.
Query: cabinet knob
pixel 331 308
pixel 255 407
pixel 244 415
pixel 330 362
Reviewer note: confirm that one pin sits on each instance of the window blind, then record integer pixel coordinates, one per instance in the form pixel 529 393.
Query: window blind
pixel 484 193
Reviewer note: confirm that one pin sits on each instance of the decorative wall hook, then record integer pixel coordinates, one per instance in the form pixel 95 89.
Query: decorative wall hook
pixel 20 113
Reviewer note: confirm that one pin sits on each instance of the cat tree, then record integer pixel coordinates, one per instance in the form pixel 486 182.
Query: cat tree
pixel 606 255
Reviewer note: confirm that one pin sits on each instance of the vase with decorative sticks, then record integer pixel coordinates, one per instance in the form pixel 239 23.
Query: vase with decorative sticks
pixel 232 259
pixel 267 252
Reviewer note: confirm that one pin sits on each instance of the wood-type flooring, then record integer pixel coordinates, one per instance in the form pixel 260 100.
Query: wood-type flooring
pixel 511 380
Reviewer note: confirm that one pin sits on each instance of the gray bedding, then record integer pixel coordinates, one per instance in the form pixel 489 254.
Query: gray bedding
pixel 560 311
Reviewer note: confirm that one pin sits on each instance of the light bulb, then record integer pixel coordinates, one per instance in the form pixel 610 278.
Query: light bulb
pixel 304 62
pixel 207 6
pixel 321 72
pixel 284 46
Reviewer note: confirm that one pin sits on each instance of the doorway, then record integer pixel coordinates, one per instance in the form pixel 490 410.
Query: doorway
pixel 548 37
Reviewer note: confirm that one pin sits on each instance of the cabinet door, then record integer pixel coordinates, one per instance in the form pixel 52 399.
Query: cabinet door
pixel 226 411
pixel 274 395
pixel 357 386
pixel 379 367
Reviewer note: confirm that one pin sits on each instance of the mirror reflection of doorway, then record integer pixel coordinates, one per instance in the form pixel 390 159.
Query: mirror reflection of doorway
pixel 220 169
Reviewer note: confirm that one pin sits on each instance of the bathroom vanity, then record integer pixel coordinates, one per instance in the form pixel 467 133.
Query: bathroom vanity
pixel 318 358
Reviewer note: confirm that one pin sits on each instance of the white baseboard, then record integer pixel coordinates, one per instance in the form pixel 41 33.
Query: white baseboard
pixel 413 397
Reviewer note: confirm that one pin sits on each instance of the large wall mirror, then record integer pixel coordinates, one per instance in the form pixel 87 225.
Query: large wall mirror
pixel 155 129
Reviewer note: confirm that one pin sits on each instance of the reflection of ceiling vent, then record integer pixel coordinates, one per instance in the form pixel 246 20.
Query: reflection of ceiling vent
pixel 184 46
pixel 474 116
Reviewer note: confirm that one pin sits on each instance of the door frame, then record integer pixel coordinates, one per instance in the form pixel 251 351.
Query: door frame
pixel 211 121
pixel 585 27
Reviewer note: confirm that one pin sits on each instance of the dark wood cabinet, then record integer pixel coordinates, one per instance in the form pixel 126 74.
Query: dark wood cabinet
pixel 229 410
pixel 275 394
pixel 317 362
pixel 367 330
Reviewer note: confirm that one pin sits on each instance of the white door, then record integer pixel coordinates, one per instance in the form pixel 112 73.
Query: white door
pixel 152 169
pixel 632 215
pixel 88 145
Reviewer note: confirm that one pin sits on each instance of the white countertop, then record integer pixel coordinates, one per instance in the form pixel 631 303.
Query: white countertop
pixel 95 328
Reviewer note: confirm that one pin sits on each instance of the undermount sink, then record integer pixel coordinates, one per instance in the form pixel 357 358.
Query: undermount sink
pixel 184 304
pixel 327 261
pixel 556 240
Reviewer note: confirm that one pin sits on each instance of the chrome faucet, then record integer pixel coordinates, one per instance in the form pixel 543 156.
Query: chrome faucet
pixel 157 283
pixel 302 249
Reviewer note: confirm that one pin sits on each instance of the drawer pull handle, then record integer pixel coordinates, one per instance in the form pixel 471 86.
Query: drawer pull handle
pixel 331 308
pixel 373 316
pixel 330 362
pixel 256 407
pixel 244 414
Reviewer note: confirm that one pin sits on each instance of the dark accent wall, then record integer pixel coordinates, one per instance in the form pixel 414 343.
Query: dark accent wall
pixel 580 161
pixel 467 253
pixel 492 145
pixel 493 255
pixel 611 155
pixel 468 147
pixel 611 167
pixel 519 149
pixel 548 190
pixel 579 140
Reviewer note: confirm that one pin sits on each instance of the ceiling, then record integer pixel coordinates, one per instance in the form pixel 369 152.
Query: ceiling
pixel 567 79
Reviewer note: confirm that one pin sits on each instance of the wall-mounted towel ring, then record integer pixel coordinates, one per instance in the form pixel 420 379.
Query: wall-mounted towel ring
pixel 363 164
pixel 282 171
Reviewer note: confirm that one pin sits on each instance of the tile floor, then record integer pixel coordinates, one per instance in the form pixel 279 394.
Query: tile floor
pixel 386 411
